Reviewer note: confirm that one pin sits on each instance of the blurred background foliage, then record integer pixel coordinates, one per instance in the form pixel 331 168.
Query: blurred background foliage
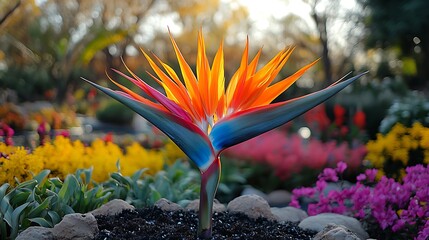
pixel 46 46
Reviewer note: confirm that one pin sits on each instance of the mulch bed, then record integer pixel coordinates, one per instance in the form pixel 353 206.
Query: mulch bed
pixel 153 223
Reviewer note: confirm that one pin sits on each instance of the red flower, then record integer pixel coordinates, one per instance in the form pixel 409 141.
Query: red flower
pixel 108 137
pixel 92 94
pixel 42 130
pixel 359 119
pixel 64 133
pixel 317 116
pixel 339 113
pixel 7 132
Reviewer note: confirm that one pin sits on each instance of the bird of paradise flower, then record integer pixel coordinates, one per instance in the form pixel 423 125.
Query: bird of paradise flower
pixel 203 118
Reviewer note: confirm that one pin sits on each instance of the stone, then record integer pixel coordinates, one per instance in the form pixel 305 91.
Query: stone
pixel 319 222
pixel 113 207
pixel 76 226
pixel 195 206
pixel 167 205
pixel 289 214
pixel 335 232
pixel 36 232
pixel 279 198
pixel 253 191
pixel 253 206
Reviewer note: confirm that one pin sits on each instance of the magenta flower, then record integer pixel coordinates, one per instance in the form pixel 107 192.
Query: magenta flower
pixel 400 208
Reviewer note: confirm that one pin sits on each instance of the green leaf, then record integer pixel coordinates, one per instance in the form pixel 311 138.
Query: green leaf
pixel 55 218
pixel 137 175
pixel 42 222
pixel 66 209
pixel 6 210
pixel 121 179
pixel 30 184
pixel 56 182
pixel 16 214
pixel 5 205
pixel 3 190
pixel 70 186
pixel 42 175
pixel 19 198
pixel 3 229
pixel 101 41
pixel 155 196
pixel 88 175
pixel 37 211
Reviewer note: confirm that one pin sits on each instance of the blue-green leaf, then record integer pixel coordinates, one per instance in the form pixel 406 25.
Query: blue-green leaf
pixel 41 221
pixel 37 211
pixel 70 186
pixel 3 190
pixel 42 175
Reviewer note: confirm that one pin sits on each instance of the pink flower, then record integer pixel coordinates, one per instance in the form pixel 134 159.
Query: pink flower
pixel 361 177
pixel 341 166
pixel 424 233
pixel 329 174
pixel 399 207
pixel 371 174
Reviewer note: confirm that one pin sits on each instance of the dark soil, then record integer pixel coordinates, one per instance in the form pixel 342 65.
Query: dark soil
pixel 153 223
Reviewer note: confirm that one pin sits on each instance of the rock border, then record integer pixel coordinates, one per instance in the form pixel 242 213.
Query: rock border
pixel 84 226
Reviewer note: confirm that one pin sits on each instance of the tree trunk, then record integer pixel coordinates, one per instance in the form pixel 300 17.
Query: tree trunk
pixel 323 36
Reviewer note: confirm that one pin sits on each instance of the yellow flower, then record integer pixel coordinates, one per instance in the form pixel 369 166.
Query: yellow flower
pixel 18 165
pixel 63 157
pixel 172 152
pixel 395 147
pixel 138 157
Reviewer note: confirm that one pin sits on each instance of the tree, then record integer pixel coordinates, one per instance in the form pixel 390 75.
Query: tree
pixel 8 10
pixel 402 26
pixel 336 27
pixel 61 37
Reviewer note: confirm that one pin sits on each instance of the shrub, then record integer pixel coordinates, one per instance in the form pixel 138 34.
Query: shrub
pixel 41 201
pixel 374 98
pixel 30 82
pixel 345 125
pixel 177 183
pixel 56 118
pixel 44 201
pixel 115 112
pixel 407 111
pixel 12 116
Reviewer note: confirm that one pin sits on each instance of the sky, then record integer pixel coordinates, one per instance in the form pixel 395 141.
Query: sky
pixel 261 11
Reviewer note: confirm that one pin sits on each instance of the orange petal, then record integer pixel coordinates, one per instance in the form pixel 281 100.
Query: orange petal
pixel 190 80
pixel 275 90
pixel 217 80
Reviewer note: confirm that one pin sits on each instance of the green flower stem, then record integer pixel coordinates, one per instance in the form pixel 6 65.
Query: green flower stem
pixel 209 183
